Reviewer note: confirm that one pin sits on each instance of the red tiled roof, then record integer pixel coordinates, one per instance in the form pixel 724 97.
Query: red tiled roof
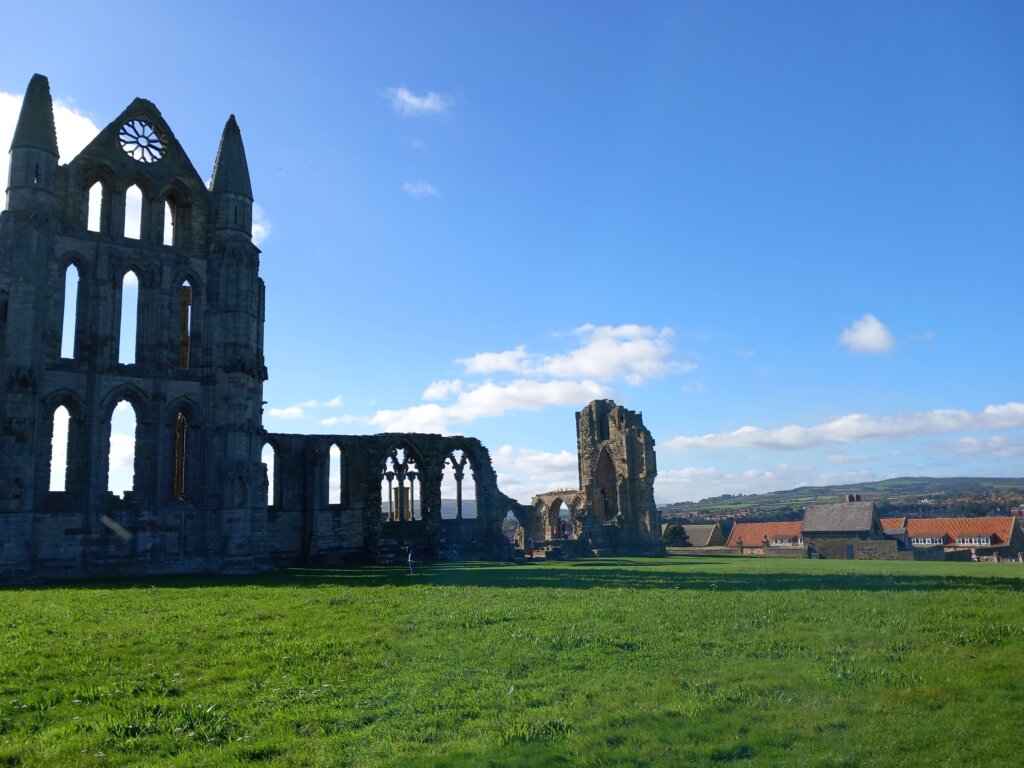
pixel 893 522
pixel 753 533
pixel 953 528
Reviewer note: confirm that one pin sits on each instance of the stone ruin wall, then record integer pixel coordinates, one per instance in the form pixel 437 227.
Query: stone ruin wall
pixel 305 528
pixel 614 511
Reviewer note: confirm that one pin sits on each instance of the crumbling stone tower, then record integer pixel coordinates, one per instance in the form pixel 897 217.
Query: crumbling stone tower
pixel 73 243
pixel 617 471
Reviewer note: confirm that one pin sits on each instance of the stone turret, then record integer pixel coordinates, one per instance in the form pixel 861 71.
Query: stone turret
pixel 236 317
pixel 32 177
pixel 231 187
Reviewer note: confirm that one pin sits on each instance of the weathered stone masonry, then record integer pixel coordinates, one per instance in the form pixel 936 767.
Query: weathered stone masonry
pixel 195 380
pixel 613 512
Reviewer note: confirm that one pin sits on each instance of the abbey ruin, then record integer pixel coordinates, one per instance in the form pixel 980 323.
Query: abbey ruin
pixel 201 500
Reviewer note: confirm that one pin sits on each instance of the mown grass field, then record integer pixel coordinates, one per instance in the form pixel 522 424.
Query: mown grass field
pixel 663 662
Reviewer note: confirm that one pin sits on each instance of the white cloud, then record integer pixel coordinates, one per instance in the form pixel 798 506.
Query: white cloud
pixel 420 189
pixel 998 446
pixel 512 360
pixel 635 353
pixel 523 472
pixel 408 104
pixel 260 225
pixel 441 390
pixel 291 412
pixel 488 400
pixel 867 336
pixel 858 427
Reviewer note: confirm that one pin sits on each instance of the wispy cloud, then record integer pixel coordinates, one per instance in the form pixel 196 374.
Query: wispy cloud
pixel 408 104
pixel 291 412
pixel 859 427
pixel 442 390
pixel 634 353
pixel 488 400
pixel 523 472
pixel 999 446
pixel 512 360
pixel 334 402
pixel 867 336
pixel 420 189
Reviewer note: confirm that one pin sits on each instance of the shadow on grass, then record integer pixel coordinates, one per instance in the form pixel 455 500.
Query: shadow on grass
pixel 618 573
pixel 593 575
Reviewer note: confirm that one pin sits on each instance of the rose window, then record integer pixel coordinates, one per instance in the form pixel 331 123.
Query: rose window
pixel 141 142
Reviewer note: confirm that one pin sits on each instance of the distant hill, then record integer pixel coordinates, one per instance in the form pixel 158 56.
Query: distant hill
pixel 901 495
pixel 448 508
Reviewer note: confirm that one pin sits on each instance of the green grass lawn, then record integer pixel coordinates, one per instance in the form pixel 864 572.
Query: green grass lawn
pixel 663 662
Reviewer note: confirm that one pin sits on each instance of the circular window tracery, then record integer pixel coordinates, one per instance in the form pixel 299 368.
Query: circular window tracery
pixel 140 141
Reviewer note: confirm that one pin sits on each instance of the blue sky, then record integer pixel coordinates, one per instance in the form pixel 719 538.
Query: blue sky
pixel 789 233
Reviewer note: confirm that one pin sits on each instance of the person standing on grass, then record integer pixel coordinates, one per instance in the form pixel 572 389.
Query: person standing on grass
pixel 410 560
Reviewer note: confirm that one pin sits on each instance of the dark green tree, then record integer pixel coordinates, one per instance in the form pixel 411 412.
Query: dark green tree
pixel 675 536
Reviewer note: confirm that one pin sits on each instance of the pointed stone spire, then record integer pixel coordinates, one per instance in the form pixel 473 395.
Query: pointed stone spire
pixel 35 123
pixel 230 170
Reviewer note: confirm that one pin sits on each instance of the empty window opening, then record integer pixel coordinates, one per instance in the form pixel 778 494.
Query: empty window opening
pixel 236 214
pixel 121 457
pixel 185 325
pixel 133 212
pixel 399 481
pixel 558 522
pixel 59 449
pixel 178 457
pixel 268 457
pixel 95 207
pixel 129 318
pixel 334 483
pixel 67 337
pixel 513 530
pixel 458 488
pixel 169 213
